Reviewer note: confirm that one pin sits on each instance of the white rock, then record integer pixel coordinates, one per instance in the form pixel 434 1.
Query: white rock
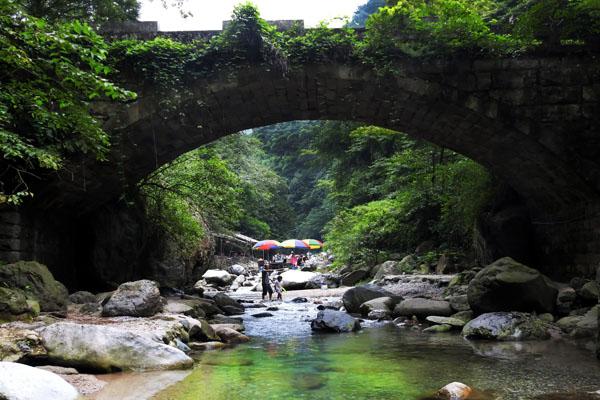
pixel 295 279
pixel 218 276
pixel 455 391
pixel 22 382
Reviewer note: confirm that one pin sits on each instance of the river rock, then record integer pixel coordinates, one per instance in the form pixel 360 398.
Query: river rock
pixel 207 346
pixel 229 335
pixel 422 308
pixel 82 297
pixel 507 326
pixel 14 305
pixel 296 280
pixel 464 316
pixel 202 330
pixel 334 321
pixel 589 291
pixel 455 391
pixel 218 277
pixel 353 298
pixel 387 268
pixel 237 269
pixel 383 306
pixel 459 302
pixel 36 282
pixel 587 326
pixel 438 328
pixel 22 382
pixel 329 279
pixel 236 327
pixel 16 344
pixel 136 299
pixel 227 304
pixel 454 322
pixel 262 315
pixel 507 285
pixel 353 277
pixel 104 348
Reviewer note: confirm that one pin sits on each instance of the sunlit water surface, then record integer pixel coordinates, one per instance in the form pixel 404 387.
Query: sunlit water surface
pixel 286 361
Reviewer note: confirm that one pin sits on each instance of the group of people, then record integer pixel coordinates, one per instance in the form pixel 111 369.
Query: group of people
pixel 292 259
pixel 265 268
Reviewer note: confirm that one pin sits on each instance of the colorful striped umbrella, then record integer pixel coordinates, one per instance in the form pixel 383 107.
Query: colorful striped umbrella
pixel 266 245
pixel 313 244
pixel 293 244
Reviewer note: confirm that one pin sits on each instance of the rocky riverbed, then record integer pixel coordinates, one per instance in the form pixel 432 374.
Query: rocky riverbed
pixel 141 327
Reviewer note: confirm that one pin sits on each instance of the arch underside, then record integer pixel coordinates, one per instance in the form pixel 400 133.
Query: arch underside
pixel 410 104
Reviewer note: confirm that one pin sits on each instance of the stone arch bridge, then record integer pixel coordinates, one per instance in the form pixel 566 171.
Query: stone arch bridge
pixel 534 121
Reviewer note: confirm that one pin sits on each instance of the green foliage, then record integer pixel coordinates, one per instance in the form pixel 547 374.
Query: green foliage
pixel 364 11
pixel 320 44
pixel 50 74
pixel 555 22
pixel 94 12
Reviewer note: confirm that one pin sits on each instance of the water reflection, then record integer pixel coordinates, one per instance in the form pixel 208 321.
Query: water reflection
pixel 286 361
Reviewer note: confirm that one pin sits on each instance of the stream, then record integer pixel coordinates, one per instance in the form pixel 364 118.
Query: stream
pixel 285 360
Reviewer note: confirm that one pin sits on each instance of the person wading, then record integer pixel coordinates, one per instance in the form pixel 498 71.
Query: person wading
pixel 266 283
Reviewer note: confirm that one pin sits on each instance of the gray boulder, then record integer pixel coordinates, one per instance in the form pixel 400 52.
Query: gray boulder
pixel 296 280
pixel 237 269
pixel 227 304
pixel 218 277
pixel 104 348
pixel 354 297
pixel 82 297
pixel 137 299
pixel 380 307
pixel 14 305
pixel 507 326
pixel 36 282
pixel 353 277
pixel 454 322
pixel 587 326
pixel 334 321
pixel 331 280
pixel 22 382
pixel 229 335
pixel 422 308
pixel 507 285
pixel 589 291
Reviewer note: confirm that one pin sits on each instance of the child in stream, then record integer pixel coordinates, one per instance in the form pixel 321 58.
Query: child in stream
pixel 278 288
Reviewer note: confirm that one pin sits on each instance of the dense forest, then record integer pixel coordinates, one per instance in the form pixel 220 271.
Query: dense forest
pixel 370 193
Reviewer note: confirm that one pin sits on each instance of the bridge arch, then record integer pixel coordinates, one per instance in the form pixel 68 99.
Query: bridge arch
pixel 532 121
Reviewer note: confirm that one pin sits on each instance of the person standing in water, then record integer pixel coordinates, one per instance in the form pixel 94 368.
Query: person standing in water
pixel 266 282
pixel 278 287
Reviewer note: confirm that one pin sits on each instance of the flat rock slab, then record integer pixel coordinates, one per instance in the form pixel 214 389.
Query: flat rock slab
pixel 105 348
pixel 262 315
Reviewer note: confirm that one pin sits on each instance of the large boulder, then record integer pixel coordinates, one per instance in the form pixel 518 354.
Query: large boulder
pixel 104 348
pixel 137 299
pixel 378 308
pixel 422 308
pixel 295 279
pixel 36 282
pixel 227 304
pixel 507 285
pixel 16 344
pixel 406 265
pixel 14 305
pixel 22 382
pixel 82 297
pixel 218 277
pixel 237 269
pixel 353 277
pixel 330 280
pixel 587 324
pixel 354 297
pixel 334 321
pixel 507 326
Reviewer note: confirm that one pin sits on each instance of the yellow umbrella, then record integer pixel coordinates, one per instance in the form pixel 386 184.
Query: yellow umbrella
pixel 313 244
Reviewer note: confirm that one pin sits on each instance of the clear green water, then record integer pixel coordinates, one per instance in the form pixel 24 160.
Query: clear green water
pixel 286 361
